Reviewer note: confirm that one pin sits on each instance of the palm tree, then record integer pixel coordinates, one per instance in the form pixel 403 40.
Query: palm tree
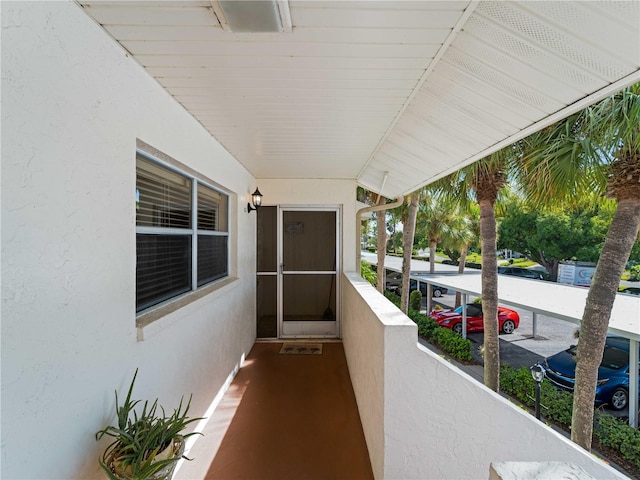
pixel 381 226
pixel 600 143
pixel 463 226
pixel 482 182
pixel 488 178
pixel 408 231
pixel 436 217
pixel 465 235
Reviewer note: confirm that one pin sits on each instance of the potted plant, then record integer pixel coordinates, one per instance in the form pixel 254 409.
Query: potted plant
pixel 147 444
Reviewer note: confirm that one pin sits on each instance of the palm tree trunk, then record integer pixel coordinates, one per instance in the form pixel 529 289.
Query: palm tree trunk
pixel 432 269
pixel 432 256
pixel 490 294
pixel 463 260
pixel 595 319
pixel 381 226
pixel 408 231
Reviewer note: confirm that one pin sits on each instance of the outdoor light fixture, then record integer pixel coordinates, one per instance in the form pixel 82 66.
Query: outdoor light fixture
pixel 253 16
pixel 256 199
pixel 537 372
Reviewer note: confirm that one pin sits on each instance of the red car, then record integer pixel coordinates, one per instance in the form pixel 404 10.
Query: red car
pixel 508 320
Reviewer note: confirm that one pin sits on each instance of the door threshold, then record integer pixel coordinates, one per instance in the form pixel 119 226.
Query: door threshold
pixel 298 340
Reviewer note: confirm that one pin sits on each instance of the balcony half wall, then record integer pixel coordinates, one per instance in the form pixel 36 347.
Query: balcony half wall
pixel 423 417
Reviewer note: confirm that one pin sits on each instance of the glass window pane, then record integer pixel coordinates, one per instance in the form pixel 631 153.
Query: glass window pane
pixel 163 268
pixel 212 258
pixel 615 358
pixel 164 201
pixel 212 210
pixel 163 198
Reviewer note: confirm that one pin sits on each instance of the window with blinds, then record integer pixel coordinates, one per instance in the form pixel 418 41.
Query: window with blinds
pixel 181 233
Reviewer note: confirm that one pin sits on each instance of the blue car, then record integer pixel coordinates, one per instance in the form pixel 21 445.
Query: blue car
pixel 613 374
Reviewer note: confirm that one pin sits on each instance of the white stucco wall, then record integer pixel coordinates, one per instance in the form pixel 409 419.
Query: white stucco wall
pixel 73 104
pixel 436 421
pixel 364 350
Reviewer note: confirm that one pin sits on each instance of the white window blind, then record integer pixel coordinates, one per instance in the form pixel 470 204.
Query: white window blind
pixel 171 241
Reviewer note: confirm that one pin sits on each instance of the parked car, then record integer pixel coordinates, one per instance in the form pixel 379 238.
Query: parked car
pixel 438 290
pixel 393 281
pixel 613 374
pixel 521 272
pixel 508 320
pixel 394 284
pixel 630 290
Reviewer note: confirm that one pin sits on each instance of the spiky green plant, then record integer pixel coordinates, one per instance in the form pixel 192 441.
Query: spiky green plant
pixel 141 437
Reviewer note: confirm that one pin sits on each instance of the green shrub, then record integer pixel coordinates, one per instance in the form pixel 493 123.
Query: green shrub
pixel 517 383
pixel 450 342
pixel 608 433
pixel 426 325
pixel 520 262
pixel 618 435
pixel 366 272
pixel 415 300
pixel 631 449
pixel 395 299
pixel 557 405
pixel 476 265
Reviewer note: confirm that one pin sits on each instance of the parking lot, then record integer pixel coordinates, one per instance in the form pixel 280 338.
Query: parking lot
pixel 552 335
pixel 520 349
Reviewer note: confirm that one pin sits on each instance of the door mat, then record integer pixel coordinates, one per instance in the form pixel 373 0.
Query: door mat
pixel 301 349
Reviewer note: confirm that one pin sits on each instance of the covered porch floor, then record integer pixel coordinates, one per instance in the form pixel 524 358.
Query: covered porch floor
pixel 286 416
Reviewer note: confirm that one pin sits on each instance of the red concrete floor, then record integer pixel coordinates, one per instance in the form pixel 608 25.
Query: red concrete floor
pixel 295 418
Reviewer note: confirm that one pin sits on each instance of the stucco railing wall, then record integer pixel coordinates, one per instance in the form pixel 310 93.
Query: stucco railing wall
pixel 363 337
pixel 425 418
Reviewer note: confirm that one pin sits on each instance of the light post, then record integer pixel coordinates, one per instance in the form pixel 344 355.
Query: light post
pixel 537 372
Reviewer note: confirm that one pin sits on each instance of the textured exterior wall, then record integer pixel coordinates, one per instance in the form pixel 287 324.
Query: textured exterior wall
pixel 436 421
pixel 73 105
pixel 363 340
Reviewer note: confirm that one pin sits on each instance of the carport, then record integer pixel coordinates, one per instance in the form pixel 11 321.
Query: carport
pixel 560 301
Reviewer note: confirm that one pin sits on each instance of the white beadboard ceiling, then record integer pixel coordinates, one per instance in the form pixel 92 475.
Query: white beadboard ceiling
pixel 417 89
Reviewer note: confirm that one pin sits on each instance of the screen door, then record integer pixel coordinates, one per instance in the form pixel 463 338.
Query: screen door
pixel 305 280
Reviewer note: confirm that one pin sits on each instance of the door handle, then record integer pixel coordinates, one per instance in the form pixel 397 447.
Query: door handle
pixel 281 268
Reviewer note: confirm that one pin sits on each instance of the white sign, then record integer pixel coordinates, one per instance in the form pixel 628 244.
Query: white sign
pixel 566 273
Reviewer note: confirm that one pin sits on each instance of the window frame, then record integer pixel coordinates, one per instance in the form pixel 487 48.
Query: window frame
pixel 196 181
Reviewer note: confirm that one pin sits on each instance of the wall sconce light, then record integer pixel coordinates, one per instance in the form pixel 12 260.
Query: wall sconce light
pixel 256 199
